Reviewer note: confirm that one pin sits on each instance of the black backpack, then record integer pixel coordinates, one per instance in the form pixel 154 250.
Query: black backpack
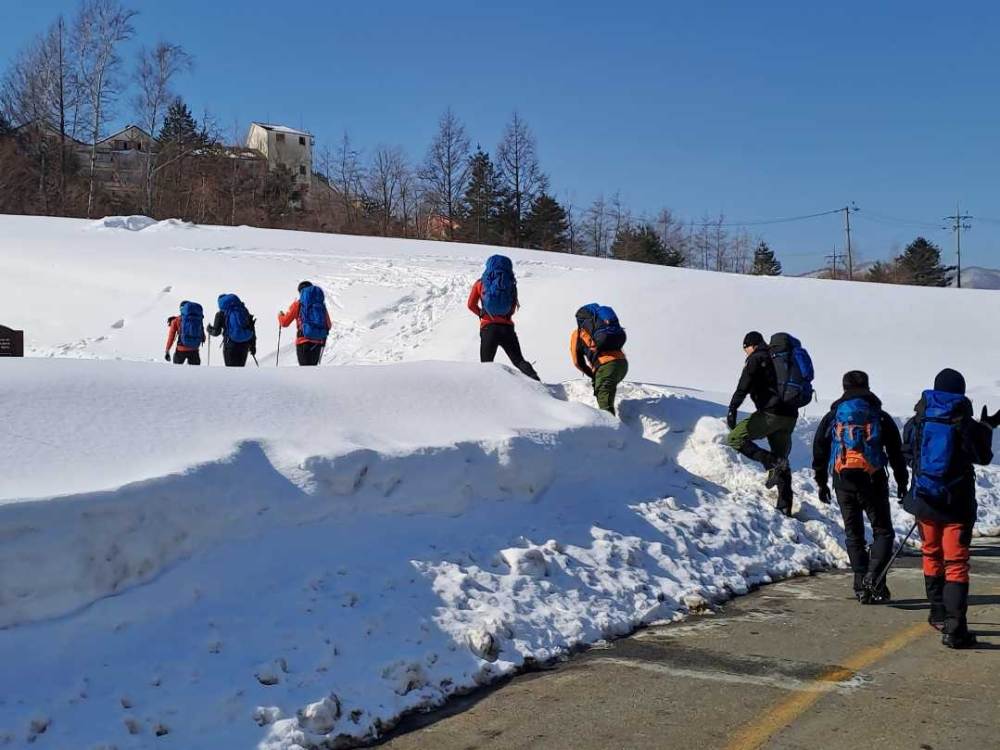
pixel 601 323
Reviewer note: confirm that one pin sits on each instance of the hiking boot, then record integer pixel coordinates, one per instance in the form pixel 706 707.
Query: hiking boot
pixel 959 640
pixel 864 596
pixel 880 595
pixel 774 472
pixel 938 625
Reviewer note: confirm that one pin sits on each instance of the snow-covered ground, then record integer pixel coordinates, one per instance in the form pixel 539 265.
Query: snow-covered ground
pixel 289 558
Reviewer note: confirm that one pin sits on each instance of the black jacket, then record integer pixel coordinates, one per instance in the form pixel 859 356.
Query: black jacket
pixel 218 328
pixel 854 480
pixel 975 447
pixel 760 383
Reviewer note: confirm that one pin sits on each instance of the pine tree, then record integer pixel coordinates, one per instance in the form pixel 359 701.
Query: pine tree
pixel 546 225
pixel 673 256
pixel 641 244
pixel 481 203
pixel 764 262
pixel 920 264
pixel 882 273
pixel 180 127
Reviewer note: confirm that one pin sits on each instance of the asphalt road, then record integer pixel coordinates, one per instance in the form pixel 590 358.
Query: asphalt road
pixel 794 666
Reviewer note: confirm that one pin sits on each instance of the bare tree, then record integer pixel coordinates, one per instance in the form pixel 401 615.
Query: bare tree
pixel 621 218
pixel 101 27
pixel 519 171
pixel 572 225
pixel 671 232
pixel 348 178
pixel 595 227
pixel 155 72
pixel 446 169
pixel 383 184
pixel 409 197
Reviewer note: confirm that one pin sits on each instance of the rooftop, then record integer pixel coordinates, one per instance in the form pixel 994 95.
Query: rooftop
pixel 282 129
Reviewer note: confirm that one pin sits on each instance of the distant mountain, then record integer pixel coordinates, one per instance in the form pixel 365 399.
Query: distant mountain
pixel 973 277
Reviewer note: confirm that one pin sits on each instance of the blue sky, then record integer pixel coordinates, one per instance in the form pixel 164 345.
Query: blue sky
pixel 758 110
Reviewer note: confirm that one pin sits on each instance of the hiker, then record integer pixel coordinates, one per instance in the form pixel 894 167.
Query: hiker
pixel 236 326
pixel 942 442
pixel 853 443
pixel 494 300
pixel 189 332
pixel 595 347
pixel 313 321
pixel 777 398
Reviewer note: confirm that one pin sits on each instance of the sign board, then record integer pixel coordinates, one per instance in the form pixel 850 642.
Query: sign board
pixel 11 342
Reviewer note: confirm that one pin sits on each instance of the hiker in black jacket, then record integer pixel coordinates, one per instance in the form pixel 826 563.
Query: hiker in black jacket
pixel 234 353
pixel 945 504
pixel 772 419
pixel 853 442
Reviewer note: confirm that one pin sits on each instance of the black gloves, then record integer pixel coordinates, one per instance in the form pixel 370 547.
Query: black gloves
pixel 731 418
pixel 901 490
pixel 824 494
pixel 253 349
pixel 166 356
pixel 992 421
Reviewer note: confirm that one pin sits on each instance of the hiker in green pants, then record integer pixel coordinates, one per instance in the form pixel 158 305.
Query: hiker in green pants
pixel 596 350
pixel 772 420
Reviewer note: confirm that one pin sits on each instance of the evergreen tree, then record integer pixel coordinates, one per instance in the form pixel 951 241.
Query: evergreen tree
pixel 546 224
pixel 180 127
pixel 882 273
pixel 920 264
pixel 481 204
pixel 764 262
pixel 641 244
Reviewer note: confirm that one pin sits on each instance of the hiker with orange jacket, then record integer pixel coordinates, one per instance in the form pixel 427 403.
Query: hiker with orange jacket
pixel 494 300
pixel 595 348
pixel 189 332
pixel 313 323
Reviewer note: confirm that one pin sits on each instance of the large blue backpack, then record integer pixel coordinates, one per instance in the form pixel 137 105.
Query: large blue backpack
pixel 856 435
pixel 312 314
pixel 936 437
pixel 601 322
pixel 499 286
pixel 793 370
pixel 192 329
pixel 239 324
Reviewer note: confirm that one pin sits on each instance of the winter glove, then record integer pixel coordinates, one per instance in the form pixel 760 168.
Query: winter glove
pixel 166 356
pixel 731 419
pixel 824 494
pixel 253 349
pixel 992 421
pixel 901 490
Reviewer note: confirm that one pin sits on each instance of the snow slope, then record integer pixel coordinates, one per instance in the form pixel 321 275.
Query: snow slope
pixel 291 558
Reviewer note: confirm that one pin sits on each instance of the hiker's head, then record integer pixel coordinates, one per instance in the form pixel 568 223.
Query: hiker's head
pixel 950 381
pixel 304 285
pixel 855 379
pixel 751 341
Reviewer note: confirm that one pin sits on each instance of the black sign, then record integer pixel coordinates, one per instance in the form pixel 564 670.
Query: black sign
pixel 11 342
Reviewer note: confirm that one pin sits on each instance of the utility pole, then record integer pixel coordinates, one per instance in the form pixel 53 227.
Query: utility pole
pixel 833 263
pixel 847 220
pixel 959 223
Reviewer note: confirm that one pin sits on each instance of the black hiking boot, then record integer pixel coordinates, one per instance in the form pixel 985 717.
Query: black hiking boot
pixel 774 472
pixel 959 640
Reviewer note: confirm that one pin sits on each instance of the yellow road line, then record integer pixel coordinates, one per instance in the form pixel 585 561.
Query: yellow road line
pixel 761 731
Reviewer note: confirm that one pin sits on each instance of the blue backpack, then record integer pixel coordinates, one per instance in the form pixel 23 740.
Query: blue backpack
pixel 793 370
pixel 192 329
pixel 857 437
pixel 938 420
pixel 239 324
pixel 312 314
pixel 499 286
pixel 602 323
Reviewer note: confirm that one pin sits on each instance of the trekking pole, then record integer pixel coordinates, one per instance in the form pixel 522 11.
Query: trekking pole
pixel 209 345
pixel 255 360
pixel 885 570
pixel 277 354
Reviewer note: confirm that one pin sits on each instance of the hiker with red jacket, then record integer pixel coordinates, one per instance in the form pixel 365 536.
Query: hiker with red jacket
pixel 595 348
pixel 942 443
pixel 494 300
pixel 855 441
pixel 188 330
pixel 313 323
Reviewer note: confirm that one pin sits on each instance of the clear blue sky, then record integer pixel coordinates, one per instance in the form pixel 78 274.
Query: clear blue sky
pixel 760 110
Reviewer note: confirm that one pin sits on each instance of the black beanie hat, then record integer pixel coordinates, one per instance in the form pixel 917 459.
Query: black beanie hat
pixel 855 379
pixel 754 338
pixel 304 284
pixel 950 381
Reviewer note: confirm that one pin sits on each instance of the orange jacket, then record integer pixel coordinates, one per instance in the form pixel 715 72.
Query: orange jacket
pixel 583 353
pixel 174 332
pixel 293 315
pixel 484 317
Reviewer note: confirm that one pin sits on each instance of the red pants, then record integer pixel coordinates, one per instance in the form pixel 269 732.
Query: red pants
pixel 946 550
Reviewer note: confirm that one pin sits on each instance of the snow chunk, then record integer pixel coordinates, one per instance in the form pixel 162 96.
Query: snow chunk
pixel 129 223
pixel 264 715
pixel 272 672
pixel 525 562
pixel 320 717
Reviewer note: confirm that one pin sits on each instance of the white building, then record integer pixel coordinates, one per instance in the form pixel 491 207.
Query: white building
pixel 284 145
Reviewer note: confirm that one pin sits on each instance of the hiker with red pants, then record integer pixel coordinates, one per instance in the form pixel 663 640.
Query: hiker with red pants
pixel 313 323
pixel 494 300
pixel 189 332
pixel 942 442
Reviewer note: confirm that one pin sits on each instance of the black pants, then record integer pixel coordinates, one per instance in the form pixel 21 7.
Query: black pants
pixel 498 335
pixel 190 358
pixel 235 355
pixel 309 354
pixel 867 497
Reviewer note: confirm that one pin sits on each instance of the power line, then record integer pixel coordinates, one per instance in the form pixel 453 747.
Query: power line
pixel 899 220
pixel 959 224
pixel 761 222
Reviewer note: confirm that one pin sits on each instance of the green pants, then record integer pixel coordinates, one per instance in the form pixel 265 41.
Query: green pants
pixel 606 380
pixel 761 424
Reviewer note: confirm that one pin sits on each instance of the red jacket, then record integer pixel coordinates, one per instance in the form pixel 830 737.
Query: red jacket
pixel 293 315
pixel 174 333
pixel 484 317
